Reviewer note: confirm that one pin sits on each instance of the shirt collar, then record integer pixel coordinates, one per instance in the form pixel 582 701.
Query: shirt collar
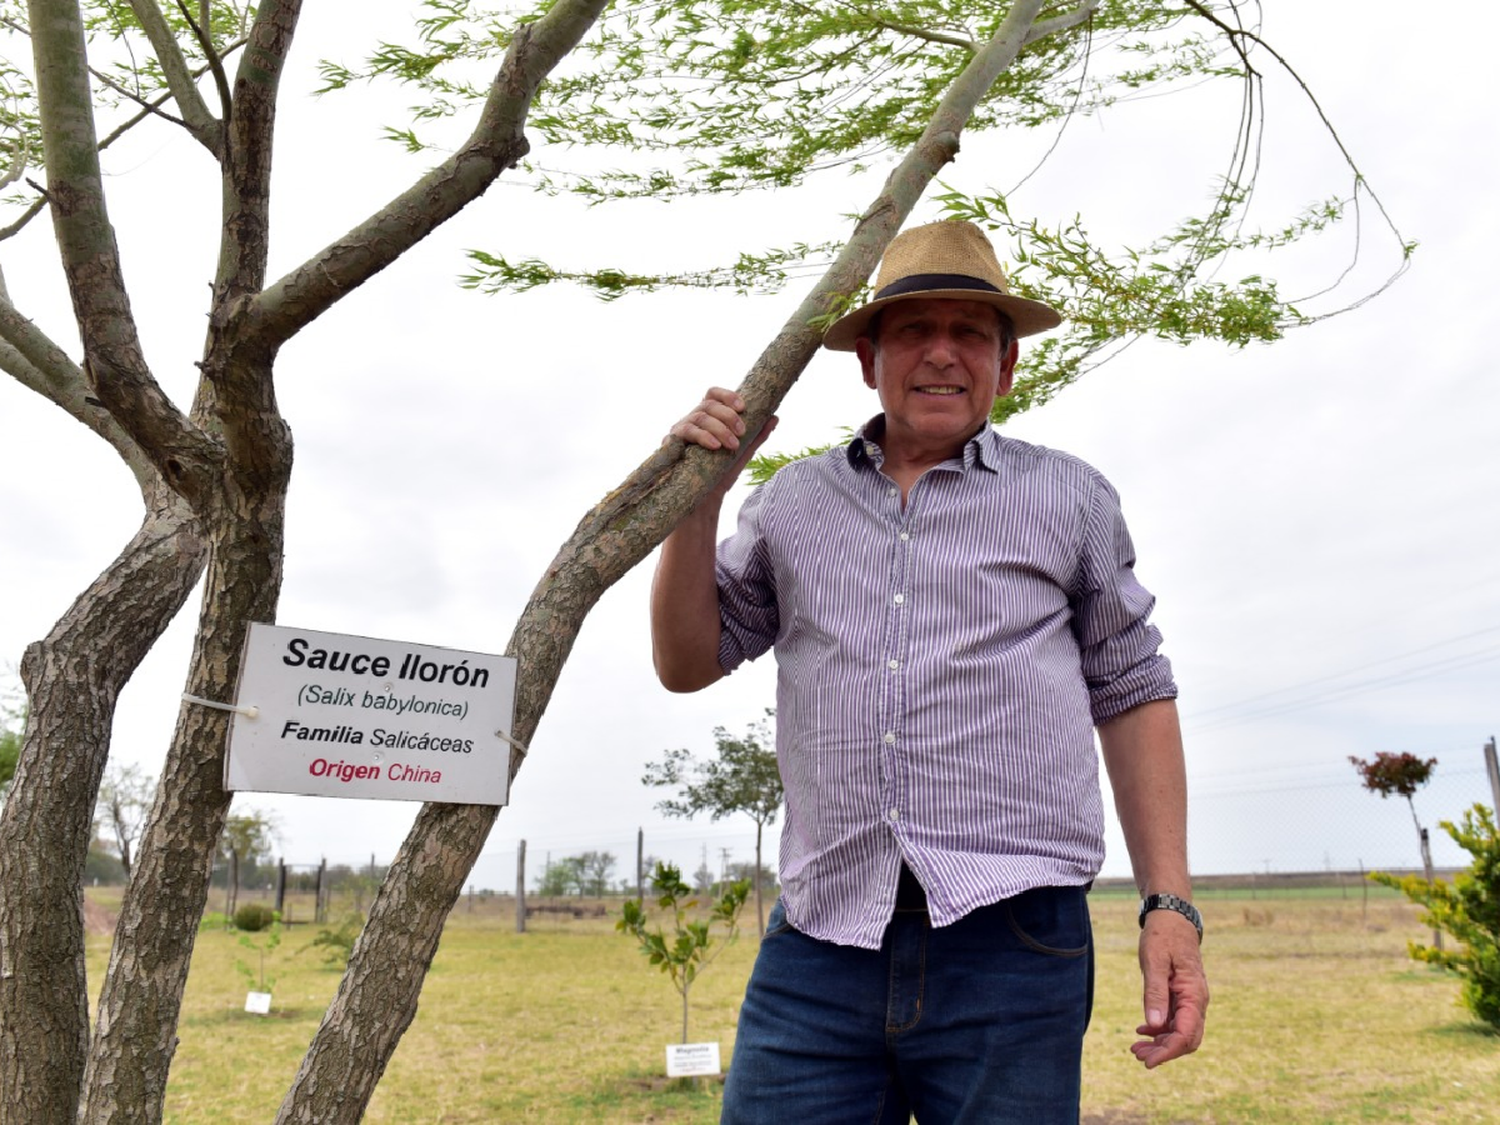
pixel 983 449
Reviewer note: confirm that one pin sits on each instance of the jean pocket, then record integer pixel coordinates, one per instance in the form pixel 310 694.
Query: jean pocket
pixel 776 922
pixel 1051 920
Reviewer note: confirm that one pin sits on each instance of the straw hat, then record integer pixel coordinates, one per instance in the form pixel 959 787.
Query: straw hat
pixel 949 259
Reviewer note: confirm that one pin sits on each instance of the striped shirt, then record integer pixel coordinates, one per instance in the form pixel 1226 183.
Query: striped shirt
pixel 941 669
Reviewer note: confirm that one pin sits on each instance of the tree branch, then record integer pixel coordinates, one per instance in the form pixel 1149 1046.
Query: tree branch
pixel 152 108
pixel 40 365
pixel 26 216
pixel 113 362
pixel 181 81
pixel 215 63
pixel 1081 14
pixel 237 390
pixel 924 34
pixel 149 108
pixel 17 167
pixel 496 144
pixel 247 161
pixel 1237 37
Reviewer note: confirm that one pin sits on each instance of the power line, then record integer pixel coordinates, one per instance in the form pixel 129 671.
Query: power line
pixel 1347 671
pixel 1242 712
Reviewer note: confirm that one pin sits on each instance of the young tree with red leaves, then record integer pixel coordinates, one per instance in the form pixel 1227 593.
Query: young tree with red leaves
pixel 1403 774
pixel 1398 773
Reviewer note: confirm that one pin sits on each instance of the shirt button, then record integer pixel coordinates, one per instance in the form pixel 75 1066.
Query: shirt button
pixel 905 535
pixel 893 664
pixel 894 493
pixel 895 814
pixel 900 599
pixel 890 737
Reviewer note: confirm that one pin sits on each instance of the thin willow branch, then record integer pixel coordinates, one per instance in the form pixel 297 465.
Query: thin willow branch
pixel 181 80
pixel 930 36
pixel 1057 24
pixel 151 108
pixel 215 63
pixel 26 216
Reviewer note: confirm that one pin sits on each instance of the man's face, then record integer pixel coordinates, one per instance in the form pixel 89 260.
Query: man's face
pixel 938 368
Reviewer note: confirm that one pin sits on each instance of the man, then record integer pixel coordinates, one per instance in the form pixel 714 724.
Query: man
pixel 953 613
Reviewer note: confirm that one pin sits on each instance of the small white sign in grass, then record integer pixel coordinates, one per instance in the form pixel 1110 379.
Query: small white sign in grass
pixel 258 1003
pixel 690 1060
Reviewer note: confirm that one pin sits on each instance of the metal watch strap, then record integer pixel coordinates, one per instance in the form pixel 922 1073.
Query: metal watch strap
pixel 1172 902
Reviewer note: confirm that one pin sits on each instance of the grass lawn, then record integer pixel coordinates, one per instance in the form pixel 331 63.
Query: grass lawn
pixel 1318 1016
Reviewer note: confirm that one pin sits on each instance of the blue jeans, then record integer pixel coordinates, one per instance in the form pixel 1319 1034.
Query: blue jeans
pixel 979 1021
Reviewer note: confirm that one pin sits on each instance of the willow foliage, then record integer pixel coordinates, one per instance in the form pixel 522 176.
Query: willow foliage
pixel 691 98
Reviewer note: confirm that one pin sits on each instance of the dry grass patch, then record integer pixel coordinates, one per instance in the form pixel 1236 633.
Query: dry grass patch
pixel 1318 1016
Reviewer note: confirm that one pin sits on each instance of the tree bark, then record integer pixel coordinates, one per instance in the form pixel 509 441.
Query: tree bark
pixel 139 1004
pixel 73 679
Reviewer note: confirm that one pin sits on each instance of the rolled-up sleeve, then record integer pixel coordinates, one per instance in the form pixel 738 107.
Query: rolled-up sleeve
pixel 748 612
pixel 1118 645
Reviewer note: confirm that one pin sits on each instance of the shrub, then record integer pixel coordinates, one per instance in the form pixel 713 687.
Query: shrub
pixel 338 944
pixel 1469 909
pixel 253 917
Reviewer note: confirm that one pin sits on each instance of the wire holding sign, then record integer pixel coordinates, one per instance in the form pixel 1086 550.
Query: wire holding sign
pixel 249 712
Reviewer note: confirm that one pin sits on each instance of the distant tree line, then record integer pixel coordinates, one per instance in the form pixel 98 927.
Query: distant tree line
pixel 592 875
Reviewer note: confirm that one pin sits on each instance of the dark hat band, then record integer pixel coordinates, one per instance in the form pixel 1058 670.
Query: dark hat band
pixel 927 282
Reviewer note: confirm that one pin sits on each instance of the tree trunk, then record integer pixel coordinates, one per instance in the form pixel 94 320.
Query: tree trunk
pixel 73 679
pixel 139 1004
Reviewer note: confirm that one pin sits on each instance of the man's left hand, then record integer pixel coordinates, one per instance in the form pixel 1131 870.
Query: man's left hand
pixel 1176 992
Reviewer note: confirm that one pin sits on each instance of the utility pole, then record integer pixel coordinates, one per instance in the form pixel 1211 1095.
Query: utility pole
pixel 1493 768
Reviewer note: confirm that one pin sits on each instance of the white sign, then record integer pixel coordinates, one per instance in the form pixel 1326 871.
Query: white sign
pixel 258 1003
pixel 684 1060
pixel 338 716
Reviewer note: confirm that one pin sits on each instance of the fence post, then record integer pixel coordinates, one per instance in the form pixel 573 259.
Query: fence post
pixel 232 884
pixel 1492 766
pixel 521 888
pixel 1437 934
pixel 280 884
pixel 320 896
pixel 640 866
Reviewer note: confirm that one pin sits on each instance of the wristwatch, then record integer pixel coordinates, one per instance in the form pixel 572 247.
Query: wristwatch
pixel 1172 902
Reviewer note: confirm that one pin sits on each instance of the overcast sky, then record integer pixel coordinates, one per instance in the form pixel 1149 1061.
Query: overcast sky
pixel 1317 518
